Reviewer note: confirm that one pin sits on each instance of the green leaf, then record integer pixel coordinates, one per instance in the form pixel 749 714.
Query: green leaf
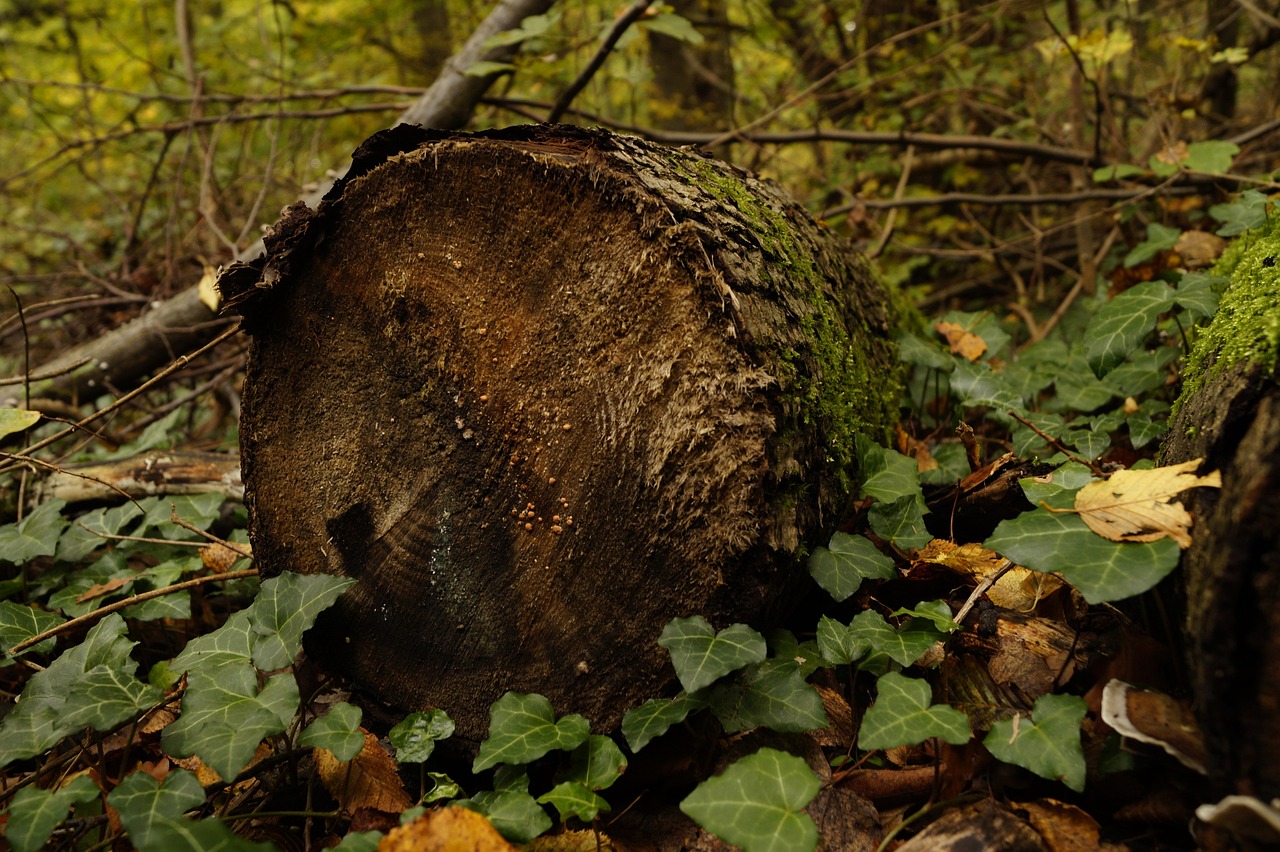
pixel 1067 479
pixel 1049 744
pixel 903 645
pixel 515 815
pixel 484 68
pixel 1120 171
pixel 888 475
pixel 674 26
pixel 701 656
pixel 983 324
pixel 359 841
pixel 655 717
pixel 141 800
pixel 574 799
pixel 924 353
pixel 1099 569
pixel 937 613
pixel 902 715
pixel 850 559
pixel 35 535
pixel 286 606
pixel 522 728
pixel 206 835
pixel 225 717
pixel 55 701
pixel 1211 155
pixel 839 644
pixel 443 788
pixel 35 813
pixel 231 645
pixel 1197 294
pixel 338 731
pixel 1245 214
pixel 416 736
pixel 901 522
pixel 13 420
pixel 1159 238
pixel 19 623
pixel 979 386
pixel 597 763
pixel 772 694
pixel 199 510
pixel 756 803
pixel 1120 325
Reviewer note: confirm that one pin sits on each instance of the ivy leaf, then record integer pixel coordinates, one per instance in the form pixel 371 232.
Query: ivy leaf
pixel 574 799
pixel 199 510
pixel 1100 570
pixel 1048 745
pixel 338 731
pixel 35 535
pixel 772 694
pixel 922 353
pixel 1247 212
pixel 840 645
pixel 756 803
pixel 1120 325
pixel 1067 479
pixel 416 736
pixel 937 613
pixel 984 325
pixel 1197 294
pixel 19 623
pixel 224 716
pixel 40 719
pixel 597 763
pixel 850 559
pixel 105 696
pixel 903 645
pixel 901 522
pixel 1159 238
pixel 286 606
pixel 206 835
pixel 641 725
pixel 902 715
pixel 978 385
pixel 514 814
pixel 34 813
pixel 887 474
pixel 141 800
pixel 522 728
pixel 231 645
pixel 701 656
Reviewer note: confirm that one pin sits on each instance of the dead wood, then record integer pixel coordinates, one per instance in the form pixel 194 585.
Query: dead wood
pixel 541 391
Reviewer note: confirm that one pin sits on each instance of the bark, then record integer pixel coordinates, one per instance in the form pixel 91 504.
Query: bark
pixel 1233 573
pixel 184 322
pixel 541 391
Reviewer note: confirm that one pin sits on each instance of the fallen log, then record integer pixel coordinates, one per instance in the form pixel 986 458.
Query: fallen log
pixel 542 390
pixel 1229 415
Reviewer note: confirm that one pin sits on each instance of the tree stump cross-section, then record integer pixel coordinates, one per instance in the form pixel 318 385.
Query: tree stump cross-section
pixel 540 391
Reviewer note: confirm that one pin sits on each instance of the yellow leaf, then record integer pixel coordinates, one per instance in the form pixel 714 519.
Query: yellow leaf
pixel 446 830
pixel 1018 589
pixel 1139 505
pixel 369 780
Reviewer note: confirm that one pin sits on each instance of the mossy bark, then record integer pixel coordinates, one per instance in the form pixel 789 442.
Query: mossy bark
pixel 542 390
pixel 1229 414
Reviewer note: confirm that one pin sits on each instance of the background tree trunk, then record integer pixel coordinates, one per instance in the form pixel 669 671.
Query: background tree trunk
pixel 542 390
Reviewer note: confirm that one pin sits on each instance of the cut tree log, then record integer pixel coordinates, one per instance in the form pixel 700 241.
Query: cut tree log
pixel 541 391
pixel 1229 415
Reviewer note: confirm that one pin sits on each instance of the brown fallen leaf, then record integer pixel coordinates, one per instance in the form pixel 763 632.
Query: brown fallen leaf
pixel 368 780
pixel 1018 589
pixel 1139 505
pixel 446 830
pixel 963 342
pixel 97 590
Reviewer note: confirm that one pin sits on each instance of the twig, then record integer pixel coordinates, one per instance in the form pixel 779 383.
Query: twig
pixel 26 349
pixel 898 193
pixel 174 366
pixel 208 536
pixel 1053 442
pixel 124 604
pixel 620 26
pixel 987 582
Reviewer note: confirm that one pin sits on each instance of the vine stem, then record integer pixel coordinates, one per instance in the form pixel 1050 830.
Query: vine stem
pixel 127 602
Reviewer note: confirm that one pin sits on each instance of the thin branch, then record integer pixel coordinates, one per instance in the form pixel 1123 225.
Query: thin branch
pixel 620 26
pixel 128 602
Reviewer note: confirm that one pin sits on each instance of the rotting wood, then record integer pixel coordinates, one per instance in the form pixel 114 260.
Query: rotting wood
pixel 542 390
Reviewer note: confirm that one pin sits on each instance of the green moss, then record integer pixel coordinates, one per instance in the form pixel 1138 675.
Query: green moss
pixel 1246 328
pixel 849 391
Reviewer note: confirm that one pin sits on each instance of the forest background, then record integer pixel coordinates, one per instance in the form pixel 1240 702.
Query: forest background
pixel 1018 160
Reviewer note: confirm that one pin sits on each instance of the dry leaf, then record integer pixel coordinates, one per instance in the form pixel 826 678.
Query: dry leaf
pixel 1198 249
pixel 446 830
pixel 369 780
pixel 97 590
pixel 571 841
pixel 219 558
pixel 1138 505
pixel 1063 827
pixel 1019 589
pixel 963 342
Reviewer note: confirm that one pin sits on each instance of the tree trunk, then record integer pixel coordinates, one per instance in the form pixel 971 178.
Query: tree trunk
pixel 1233 566
pixel 541 391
